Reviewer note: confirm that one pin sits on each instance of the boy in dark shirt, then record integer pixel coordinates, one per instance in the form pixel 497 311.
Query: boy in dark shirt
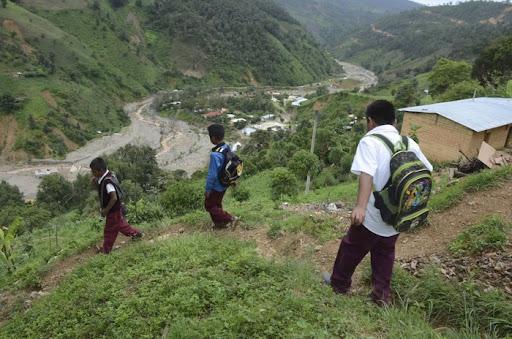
pixel 110 206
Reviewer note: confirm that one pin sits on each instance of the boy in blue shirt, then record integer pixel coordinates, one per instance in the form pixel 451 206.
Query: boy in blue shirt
pixel 215 190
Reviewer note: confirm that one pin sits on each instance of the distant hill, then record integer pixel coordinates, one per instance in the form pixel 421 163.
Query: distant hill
pixel 412 41
pixel 69 65
pixel 330 20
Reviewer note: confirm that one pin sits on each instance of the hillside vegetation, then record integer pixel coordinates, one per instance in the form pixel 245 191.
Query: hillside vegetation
pixel 412 41
pixel 331 20
pixel 66 68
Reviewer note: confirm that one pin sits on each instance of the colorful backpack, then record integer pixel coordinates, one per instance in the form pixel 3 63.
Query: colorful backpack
pixel 403 200
pixel 232 168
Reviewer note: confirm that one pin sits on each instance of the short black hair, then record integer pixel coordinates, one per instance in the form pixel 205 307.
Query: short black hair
pixel 382 112
pixel 98 164
pixel 216 130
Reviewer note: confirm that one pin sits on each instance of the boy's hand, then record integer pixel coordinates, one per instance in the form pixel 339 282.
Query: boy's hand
pixel 357 216
pixel 103 212
pixel 207 194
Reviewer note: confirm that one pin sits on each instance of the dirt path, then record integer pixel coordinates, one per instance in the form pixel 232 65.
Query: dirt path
pixel 430 240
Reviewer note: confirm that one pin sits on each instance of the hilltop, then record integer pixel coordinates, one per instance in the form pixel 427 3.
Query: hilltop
pixel 66 68
pixel 331 20
pixel 414 40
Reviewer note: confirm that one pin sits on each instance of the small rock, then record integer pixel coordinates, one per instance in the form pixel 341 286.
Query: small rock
pixel 181 230
pixel 332 207
pixel 318 248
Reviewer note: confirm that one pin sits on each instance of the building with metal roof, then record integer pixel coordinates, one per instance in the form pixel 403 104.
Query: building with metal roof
pixel 448 131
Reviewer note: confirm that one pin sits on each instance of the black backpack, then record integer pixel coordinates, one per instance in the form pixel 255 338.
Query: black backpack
pixel 232 168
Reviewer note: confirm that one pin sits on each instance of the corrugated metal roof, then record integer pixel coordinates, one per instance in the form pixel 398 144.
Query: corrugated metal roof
pixel 478 114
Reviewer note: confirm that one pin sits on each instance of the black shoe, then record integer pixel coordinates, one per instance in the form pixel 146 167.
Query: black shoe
pixel 137 236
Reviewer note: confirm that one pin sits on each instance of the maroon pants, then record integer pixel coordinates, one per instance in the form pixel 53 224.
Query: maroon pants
pixel 213 204
pixel 116 223
pixel 354 247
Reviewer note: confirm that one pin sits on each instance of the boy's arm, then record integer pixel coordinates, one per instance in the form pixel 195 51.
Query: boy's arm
pixel 363 196
pixel 112 201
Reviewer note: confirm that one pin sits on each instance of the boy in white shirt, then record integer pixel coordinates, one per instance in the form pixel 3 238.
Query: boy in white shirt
pixel 368 232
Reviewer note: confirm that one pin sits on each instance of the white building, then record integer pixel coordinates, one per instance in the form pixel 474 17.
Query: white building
pixel 268 117
pixel 248 131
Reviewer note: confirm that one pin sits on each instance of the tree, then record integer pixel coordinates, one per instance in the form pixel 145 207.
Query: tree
pixel 4 3
pixel 303 162
pixel 283 183
pixel 55 194
pixel 405 95
pixel 462 90
pixel 321 91
pixel 11 195
pixel 118 3
pixel 494 65
pixel 136 163
pixel 447 73
pixel 509 89
pixel 8 103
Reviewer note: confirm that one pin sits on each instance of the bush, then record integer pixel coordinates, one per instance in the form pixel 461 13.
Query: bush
pixel 240 194
pixel 283 183
pixel 55 194
pixel 144 211
pixel 132 191
pixel 11 195
pixel 489 234
pixel 303 162
pixel 182 197
pixel 326 178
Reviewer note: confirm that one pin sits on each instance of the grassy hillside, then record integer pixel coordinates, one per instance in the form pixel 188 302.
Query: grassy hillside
pixel 69 66
pixel 330 20
pixel 413 40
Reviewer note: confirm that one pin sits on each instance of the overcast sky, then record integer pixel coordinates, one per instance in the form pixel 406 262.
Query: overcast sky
pixel 436 2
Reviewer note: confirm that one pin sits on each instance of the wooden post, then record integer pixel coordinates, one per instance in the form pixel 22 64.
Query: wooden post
pixel 317 107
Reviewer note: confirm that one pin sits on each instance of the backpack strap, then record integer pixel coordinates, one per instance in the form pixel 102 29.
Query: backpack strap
pixel 389 144
pixel 386 142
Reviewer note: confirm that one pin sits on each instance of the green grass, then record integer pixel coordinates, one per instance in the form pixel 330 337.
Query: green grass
pixel 451 195
pixel 460 310
pixel 490 234
pixel 201 286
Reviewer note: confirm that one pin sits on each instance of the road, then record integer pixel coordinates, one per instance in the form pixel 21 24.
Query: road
pixel 178 144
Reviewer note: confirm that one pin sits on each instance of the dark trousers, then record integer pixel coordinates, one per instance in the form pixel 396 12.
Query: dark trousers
pixel 116 223
pixel 354 247
pixel 213 204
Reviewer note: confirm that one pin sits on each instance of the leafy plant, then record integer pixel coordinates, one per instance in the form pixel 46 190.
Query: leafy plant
pixel 182 197
pixel 241 194
pixel 144 211
pixel 283 183
pixel 489 234
pixel 7 237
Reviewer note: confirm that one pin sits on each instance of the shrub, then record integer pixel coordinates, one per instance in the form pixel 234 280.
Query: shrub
pixel 144 211
pixel 11 195
pixel 241 194
pixel 489 234
pixel 303 162
pixel 326 178
pixel 182 197
pixel 55 193
pixel 283 183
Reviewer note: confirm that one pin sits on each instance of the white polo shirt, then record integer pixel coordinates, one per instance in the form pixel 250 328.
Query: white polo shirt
pixel 110 188
pixel 373 157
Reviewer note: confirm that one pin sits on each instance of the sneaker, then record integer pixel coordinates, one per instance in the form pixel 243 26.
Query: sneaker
pixel 234 222
pixel 137 236
pixel 326 278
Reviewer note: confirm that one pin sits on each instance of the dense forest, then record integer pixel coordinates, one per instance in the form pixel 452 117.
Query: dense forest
pixel 331 20
pixel 257 38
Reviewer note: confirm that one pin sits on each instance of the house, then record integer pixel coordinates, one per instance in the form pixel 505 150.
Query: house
pixel 40 173
pixel 299 101
pixel 234 121
pixel 450 130
pixel 268 117
pixel 248 131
